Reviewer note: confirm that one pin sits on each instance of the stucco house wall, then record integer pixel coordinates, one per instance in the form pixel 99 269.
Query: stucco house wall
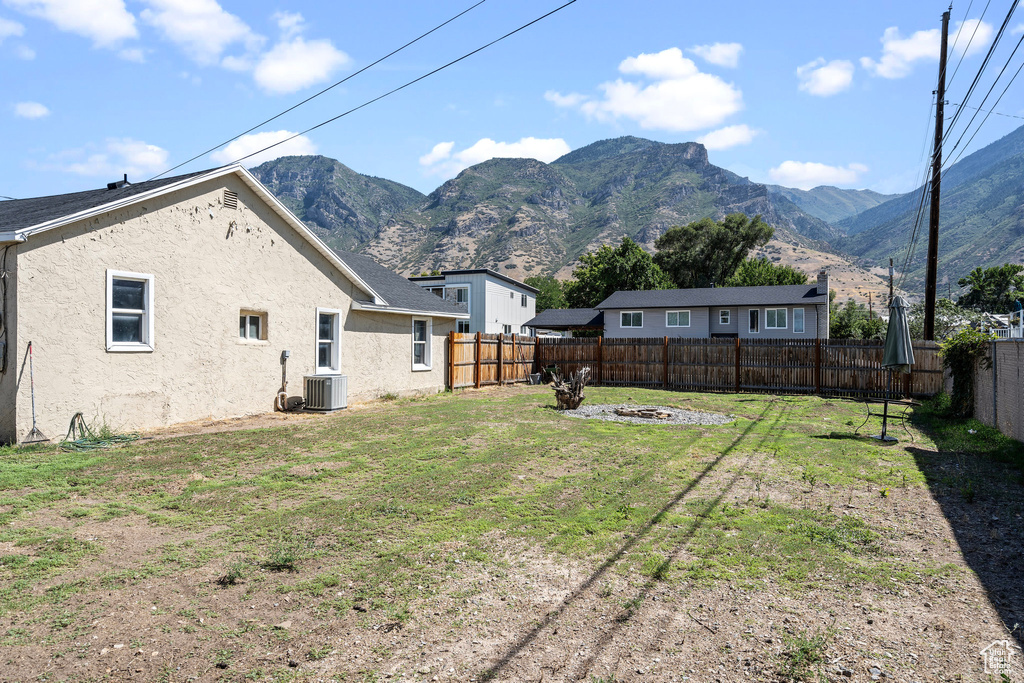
pixel 208 263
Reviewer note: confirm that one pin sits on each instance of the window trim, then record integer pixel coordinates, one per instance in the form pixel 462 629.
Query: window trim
pixel 631 327
pixel 262 317
pixel 754 314
pixel 147 345
pixel 427 351
pixel 682 310
pixel 728 316
pixel 785 313
pixel 460 323
pixel 456 299
pixel 335 367
pixel 803 320
pixel 523 301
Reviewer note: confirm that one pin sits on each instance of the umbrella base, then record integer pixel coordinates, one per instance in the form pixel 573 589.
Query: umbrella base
pixel 885 439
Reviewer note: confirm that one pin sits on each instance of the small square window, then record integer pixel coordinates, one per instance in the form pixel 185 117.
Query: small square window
pixel 252 326
pixel 506 329
pixel 775 319
pixel 462 326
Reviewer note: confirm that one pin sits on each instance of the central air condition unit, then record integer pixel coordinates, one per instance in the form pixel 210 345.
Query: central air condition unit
pixel 325 392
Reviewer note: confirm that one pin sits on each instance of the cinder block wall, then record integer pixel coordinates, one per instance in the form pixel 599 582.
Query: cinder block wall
pixel 999 392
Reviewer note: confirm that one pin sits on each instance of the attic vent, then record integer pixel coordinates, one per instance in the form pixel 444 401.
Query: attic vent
pixel 230 199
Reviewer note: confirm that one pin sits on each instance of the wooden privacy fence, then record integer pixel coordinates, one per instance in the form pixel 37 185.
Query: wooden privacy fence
pixel 833 367
pixel 479 360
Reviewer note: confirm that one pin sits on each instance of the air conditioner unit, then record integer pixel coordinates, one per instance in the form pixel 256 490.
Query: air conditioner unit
pixel 325 392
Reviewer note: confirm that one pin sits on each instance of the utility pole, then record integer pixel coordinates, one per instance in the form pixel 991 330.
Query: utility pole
pixel 871 309
pixel 933 220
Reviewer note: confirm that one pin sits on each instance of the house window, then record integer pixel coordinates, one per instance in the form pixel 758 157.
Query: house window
pixel 459 294
pixel 525 331
pixel 421 343
pixel 798 320
pixel 129 311
pixel 462 326
pixel 755 321
pixel 506 329
pixel 252 326
pixel 436 291
pixel 632 319
pixel 677 319
pixel 522 300
pixel 328 340
pixel 775 319
pixel 724 317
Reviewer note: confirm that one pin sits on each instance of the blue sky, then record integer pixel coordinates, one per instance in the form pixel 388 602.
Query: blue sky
pixel 797 93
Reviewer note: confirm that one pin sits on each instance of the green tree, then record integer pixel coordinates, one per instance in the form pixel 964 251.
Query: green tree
pixel 993 290
pixel 762 272
pixel 601 273
pixel 707 252
pixel 853 321
pixel 550 294
pixel 949 317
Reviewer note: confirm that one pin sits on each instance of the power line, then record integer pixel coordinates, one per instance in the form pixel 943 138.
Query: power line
pixel 973 33
pixel 1012 79
pixel 330 87
pixel 407 84
pixel 990 111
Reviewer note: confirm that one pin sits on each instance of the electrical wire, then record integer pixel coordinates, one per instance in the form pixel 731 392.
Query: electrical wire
pixel 973 33
pixel 992 111
pixel 330 87
pixel 407 84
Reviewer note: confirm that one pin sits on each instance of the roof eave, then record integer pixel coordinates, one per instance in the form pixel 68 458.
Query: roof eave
pixel 376 308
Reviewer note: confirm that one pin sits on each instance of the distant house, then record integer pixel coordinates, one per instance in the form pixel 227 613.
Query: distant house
pixel 778 312
pixel 188 298
pixel 496 303
pixel 565 321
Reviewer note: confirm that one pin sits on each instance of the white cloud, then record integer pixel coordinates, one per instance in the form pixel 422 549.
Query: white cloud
pixel 573 99
pixel 290 24
pixel 10 28
pixel 247 144
pixel 111 159
pixel 727 137
pixel 30 110
pixel 440 151
pixel 722 54
pixel 899 54
pixel 441 161
pixel 297 64
pixel 105 22
pixel 201 28
pixel 808 174
pixel 133 54
pixel 24 52
pixel 825 78
pixel 674 95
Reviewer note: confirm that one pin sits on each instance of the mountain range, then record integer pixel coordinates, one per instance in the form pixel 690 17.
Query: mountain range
pixel 524 217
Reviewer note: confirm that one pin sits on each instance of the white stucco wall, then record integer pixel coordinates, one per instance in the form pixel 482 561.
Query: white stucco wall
pixel 208 263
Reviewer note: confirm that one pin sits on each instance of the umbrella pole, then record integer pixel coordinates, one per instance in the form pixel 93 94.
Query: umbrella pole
pixel 885 408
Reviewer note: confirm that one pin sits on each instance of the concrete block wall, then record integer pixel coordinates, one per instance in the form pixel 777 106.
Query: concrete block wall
pixel 999 390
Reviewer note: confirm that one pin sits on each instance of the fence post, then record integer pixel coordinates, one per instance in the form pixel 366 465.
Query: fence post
pixel 737 365
pixel 600 360
pixel 477 373
pixel 817 366
pixel 501 356
pixel 664 381
pixel 995 389
pixel 515 360
pixel 451 360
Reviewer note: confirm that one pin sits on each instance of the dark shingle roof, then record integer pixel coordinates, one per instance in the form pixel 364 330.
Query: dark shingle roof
pixel 717 296
pixel 567 318
pixel 16 214
pixel 396 290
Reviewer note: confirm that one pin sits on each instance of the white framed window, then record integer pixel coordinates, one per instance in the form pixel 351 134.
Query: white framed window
pixel 328 340
pixel 462 326
pixel 631 319
pixel 724 316
pixel 775 319
pixel 798 320
pixel 677 319
pixel 421 329
pixel 524 330
pixel 755 321
pixel 506 329
pixel 522 300
pixel 129 311
pixel 252 326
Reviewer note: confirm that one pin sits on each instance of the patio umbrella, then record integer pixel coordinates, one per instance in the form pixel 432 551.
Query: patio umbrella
pixel 898 352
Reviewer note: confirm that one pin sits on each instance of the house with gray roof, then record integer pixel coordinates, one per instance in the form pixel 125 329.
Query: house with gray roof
pixel 194 297
pixel 496 303
pixel 777 312
pixel 567 320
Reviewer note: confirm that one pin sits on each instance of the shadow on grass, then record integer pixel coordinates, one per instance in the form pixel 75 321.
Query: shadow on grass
pixel 687 535
pixel 978 481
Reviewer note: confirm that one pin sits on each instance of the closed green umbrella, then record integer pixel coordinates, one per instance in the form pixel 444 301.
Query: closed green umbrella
pixel 898 352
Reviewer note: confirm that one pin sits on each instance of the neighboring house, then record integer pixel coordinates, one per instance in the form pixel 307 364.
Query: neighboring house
pixel 496 303
pixel 777 312
pixel 179 299
pixel 565 321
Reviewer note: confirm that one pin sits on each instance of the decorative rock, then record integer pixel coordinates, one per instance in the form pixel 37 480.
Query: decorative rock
pixel 284 625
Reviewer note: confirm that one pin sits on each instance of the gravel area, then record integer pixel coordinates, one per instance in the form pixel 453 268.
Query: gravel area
pixel 606 411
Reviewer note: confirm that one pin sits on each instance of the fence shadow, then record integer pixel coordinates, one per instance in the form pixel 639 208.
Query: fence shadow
pixel 552 616
pixel 981 500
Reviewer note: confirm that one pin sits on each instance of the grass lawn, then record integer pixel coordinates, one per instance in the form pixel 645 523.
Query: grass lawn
pixel 482 535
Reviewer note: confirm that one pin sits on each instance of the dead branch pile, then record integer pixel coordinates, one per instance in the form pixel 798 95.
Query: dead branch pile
pixel 647 413
pixel 569 395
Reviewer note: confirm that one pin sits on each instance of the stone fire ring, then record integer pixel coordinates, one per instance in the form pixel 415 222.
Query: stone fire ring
pixel 676 416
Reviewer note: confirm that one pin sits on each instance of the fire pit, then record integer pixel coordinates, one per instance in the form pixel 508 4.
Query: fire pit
pixel 661 415
pixel 646 413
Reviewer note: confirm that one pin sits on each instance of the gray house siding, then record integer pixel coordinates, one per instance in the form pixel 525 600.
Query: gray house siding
pixel 810 323
pixel 654 324
pixel 716 317
pixel 704 321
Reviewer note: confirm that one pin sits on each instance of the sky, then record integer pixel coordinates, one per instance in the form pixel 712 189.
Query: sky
pixel 794 93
